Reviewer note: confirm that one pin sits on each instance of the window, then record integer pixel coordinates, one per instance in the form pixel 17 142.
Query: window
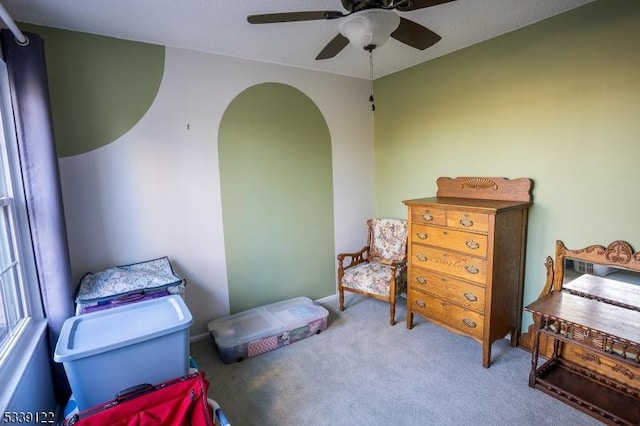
pixel 11 306
pixel 16 266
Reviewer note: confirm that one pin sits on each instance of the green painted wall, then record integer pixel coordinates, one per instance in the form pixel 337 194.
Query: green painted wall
pixel 558 101
pixel 277 197
pixel 99 87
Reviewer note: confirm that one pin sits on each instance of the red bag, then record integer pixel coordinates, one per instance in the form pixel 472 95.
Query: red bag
pixel 182 401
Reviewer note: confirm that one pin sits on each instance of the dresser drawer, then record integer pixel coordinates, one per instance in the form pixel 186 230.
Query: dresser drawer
pixel 459 292
pixel 466 242
pixel 478 222
pixel 450 263
pixel 430 215
pixel 466 321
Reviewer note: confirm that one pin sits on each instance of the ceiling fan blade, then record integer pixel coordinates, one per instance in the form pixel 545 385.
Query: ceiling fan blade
pixel 420 4
pixel 315 15
pixel 334 47
pixel 415 35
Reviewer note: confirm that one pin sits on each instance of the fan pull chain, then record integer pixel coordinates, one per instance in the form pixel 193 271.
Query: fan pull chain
pixel 373 106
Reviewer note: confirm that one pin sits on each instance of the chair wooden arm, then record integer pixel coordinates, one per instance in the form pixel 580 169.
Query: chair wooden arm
pixel 394 264
pixel 354 258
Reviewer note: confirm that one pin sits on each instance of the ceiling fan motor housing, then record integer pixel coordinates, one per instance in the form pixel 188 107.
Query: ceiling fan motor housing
pixel 356 5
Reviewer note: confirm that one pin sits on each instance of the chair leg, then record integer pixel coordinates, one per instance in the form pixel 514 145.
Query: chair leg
pixel 341 297
pixel 392 297
pixel 392 311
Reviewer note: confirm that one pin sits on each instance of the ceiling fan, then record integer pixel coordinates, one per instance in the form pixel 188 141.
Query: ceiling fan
pixel 367 24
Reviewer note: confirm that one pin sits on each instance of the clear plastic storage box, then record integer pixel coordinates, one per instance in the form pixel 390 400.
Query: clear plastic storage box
pixel 105 352
pixel 255 331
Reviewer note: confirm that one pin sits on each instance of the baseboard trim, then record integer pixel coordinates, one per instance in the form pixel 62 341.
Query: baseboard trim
pixel 198 337
pixel 328 298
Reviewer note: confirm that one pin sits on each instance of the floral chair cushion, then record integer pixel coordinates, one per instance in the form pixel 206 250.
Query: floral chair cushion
pixel 374 278
pixel 388 240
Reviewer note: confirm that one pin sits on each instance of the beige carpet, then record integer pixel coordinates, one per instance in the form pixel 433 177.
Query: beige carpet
pixel 361 371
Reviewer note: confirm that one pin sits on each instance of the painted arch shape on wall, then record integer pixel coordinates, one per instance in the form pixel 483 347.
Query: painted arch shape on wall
pixel 277 197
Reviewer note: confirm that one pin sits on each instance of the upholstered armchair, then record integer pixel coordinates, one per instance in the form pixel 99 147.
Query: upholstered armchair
pixel 377 270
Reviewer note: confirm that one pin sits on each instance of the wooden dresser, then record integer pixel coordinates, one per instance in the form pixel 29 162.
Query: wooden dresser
pixel 466 257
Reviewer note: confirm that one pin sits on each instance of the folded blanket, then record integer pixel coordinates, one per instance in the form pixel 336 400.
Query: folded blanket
pixel 147 276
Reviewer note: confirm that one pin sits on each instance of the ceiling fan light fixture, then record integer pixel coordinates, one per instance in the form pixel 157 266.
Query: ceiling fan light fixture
pixel 369 28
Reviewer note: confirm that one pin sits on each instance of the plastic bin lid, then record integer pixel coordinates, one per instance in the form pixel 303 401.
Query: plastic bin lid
pixel 244 327
pixel 289 303
pixel 297 312
pixel 97 332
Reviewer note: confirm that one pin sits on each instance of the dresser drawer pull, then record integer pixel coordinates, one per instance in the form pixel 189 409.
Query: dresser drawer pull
pixel 427 217
pixel 465 221
pixel 421 280
pixel 421 235
pixel 470 297
pixel 421 303
pixel 469 323
pixel 472 244
pixel 421 257
pixel 471 269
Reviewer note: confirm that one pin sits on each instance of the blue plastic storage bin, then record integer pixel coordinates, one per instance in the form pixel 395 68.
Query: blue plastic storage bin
pixel 105 352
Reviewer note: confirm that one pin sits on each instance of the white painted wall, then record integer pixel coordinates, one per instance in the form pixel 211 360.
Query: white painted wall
pixel 156 190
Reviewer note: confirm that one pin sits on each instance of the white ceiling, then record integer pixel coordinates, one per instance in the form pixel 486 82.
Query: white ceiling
pixel 220 26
